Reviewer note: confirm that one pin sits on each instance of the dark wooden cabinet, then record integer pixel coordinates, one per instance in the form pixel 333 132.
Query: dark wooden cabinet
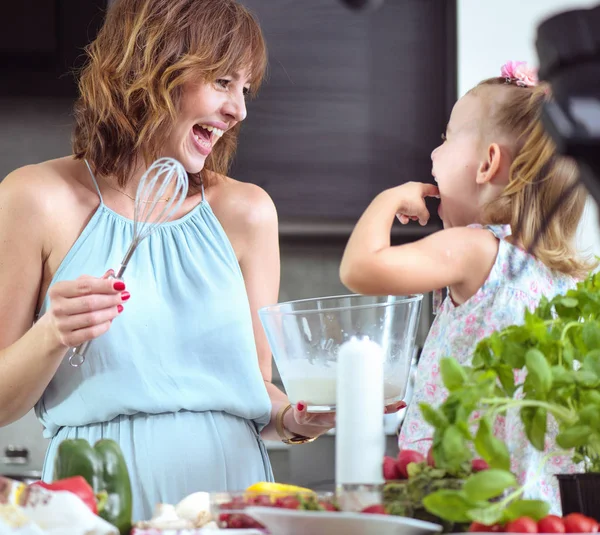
pixel 354 102
pixel 42 42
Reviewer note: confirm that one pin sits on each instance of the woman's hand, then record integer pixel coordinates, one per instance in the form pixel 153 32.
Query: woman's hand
pixel 316 424
pixel 83 309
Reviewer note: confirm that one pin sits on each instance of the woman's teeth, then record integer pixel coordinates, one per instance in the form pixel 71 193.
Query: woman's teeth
pixel 216 131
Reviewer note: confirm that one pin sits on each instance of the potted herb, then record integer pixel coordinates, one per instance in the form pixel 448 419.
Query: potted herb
pixel 558 349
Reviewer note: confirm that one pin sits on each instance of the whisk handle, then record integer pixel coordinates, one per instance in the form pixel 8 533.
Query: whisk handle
pixel 77 354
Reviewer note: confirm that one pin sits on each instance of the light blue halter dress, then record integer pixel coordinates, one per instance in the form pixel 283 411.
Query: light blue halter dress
pixel 175 381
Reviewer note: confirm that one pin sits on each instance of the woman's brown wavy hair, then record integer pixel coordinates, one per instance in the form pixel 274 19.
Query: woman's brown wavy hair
pixel 131 84
pixel 540 178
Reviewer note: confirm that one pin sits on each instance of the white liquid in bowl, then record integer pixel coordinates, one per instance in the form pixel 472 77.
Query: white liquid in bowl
pixel 316 384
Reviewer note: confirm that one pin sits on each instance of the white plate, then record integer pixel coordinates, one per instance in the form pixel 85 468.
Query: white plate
pixel 292 522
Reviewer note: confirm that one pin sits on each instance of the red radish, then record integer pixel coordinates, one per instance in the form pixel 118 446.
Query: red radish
pixel 578 523
pixel 551 524
pixel 430 459
pixel 479 465
pixel 476 527
pixel 522 525
pixel 390 470
pixel 375 510
pixel 405 457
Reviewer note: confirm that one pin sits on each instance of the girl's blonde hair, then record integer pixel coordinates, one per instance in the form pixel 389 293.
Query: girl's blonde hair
pixel 540 179
pixel 131 84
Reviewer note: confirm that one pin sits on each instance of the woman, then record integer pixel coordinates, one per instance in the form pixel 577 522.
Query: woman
pixel 182 381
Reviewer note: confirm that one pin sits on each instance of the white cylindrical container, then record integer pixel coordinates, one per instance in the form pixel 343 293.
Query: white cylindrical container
pixel 360 436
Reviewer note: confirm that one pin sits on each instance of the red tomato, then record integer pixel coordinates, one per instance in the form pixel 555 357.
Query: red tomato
pixel 522 525
pixel 405 457
pixel 551 524
pixel 578 523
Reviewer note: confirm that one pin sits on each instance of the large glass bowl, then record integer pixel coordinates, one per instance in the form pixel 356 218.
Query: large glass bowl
pixel 305 337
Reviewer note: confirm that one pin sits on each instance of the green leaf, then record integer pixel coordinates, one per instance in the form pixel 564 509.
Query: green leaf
pixel 488 484
pixel 514 354
pixel 591 362
pixel 433 416
pixel 590 415
pixel 535 422
pixel 492 450
pixel 569 302
pixel 534 509
pixel 591 334
pixel 485 515
pixel 507 378
pixel 454 447
pixel 561 377
pixel 590 397
pixel 449 505
pixel 586 378
pixel 453 374
pixel 538 371
pixel 573 437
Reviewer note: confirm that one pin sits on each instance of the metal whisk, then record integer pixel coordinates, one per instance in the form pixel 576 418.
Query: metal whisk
pixel 164 175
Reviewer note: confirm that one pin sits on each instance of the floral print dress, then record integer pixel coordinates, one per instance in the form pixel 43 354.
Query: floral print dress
pixel 456 331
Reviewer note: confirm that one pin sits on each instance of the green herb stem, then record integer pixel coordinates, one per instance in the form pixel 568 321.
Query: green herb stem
pixel 503 405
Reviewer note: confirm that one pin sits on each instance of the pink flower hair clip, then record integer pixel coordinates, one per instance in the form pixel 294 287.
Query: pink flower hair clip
pixel 517 72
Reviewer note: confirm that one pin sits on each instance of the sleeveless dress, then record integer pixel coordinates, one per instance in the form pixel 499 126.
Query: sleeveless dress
pixel 176 380
pixel 456 331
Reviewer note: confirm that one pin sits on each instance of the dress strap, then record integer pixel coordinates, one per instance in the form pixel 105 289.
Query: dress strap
pixel 202 186
pixel 96 182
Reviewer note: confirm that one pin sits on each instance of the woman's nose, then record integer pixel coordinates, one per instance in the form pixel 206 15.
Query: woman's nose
pixel 235 107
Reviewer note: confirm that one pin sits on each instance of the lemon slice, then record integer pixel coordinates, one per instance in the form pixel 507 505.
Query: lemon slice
pixel 277 488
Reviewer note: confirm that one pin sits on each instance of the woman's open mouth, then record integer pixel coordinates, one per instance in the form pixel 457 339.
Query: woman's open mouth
pixel 205 136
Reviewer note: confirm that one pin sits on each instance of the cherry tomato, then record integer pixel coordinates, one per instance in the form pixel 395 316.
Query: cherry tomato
pixel 522 525
pixel 551 524
pixel 578 523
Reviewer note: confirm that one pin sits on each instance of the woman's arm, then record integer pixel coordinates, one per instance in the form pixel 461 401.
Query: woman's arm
pixel 30 355
pixel 256 227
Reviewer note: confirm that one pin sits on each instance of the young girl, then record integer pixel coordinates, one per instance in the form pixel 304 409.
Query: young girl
pixel 495 170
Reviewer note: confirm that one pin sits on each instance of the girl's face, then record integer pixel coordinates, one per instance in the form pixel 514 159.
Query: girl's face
pixel 206 111
pixel 456 161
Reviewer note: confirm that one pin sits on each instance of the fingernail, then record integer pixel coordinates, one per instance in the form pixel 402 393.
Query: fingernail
pixel 300 406
pixel 119 286
pixel 119 308
pixel 125 296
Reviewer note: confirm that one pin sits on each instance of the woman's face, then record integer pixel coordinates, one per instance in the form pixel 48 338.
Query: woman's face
pixel 206 111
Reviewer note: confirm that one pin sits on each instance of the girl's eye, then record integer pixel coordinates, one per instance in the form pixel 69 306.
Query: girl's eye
pixel 444 138
pixel 223 83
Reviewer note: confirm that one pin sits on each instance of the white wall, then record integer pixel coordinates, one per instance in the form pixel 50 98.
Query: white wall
pixel 491 33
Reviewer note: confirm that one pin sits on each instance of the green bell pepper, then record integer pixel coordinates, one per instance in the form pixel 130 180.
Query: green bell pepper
pixel 104 468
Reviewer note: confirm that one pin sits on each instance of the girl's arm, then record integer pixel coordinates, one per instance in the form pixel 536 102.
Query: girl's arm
pixel 459 258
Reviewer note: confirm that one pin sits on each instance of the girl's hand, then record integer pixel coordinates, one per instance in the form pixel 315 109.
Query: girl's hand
pixel 315 424
pixel 411 201
pixel 83 309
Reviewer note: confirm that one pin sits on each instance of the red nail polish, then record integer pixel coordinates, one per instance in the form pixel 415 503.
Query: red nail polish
pixel 119 286
pixel 300 406
pixel 125 296
pixel 119 308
